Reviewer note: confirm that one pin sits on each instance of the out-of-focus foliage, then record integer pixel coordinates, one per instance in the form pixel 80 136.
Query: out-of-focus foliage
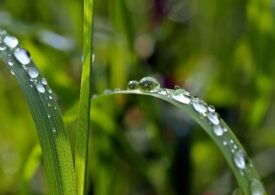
pixel 221 51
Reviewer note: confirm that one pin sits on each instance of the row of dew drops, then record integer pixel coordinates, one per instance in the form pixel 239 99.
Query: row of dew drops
pixel 151 85
pixel 24 58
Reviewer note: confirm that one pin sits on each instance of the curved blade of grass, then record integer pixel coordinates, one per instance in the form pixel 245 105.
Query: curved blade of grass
pixel 82 133
pixel 247 177
pixel 54 142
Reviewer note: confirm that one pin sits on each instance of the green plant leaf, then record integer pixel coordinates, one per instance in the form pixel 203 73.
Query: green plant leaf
pixel 54 142
pixel 82 134
pixel 205 115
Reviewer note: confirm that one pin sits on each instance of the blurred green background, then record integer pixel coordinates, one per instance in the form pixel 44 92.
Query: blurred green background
pixel 221 51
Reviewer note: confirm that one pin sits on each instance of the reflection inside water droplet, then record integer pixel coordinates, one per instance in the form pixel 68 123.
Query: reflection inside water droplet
pixel 132 85
pixel 149 84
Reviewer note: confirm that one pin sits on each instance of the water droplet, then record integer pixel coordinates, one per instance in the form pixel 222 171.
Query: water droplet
pixel 211 108
pixel 50 91
pixel 199 105
pixel 33 72
pixel 213 118
pixel 40 88
pixel 22 56
pixel 239 159
pixel 218 131
pixel 235 147
pixel 44 81
pixel 54 129
pixel 50 97
pixel 12 72
pixel 31 86
pixel 231 141
pixel 224 143
pixel 11 41
pixel 2 47
pixel 107 91
pixel 132 85
pixel 10 62
pixel 162 91
pixel 225 129
pixel 256 187
pixel 149 84
pixel 49 116
pixel 55 108
pixel 49 105
pixel 3 33
pixel 182 96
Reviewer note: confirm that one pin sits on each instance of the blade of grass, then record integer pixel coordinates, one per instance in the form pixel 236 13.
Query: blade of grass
pixel 246 176
pixel 82 134
pixel 54 142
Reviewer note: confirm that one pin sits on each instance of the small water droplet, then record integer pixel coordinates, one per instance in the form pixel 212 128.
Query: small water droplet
pixel 55 108
pixel 10 62
pixel 50 91
pixel 256 187
pixel 232 150
pixel 211 108
pixel 235 146
pixel 107 91
pixel 3 33
pixel 182 96
pixel 50 97
pixel 31 86
pixel 218 131
pixel 49 116
pixel 225 129
pixel 239 159
pixel 49 105
pixel 54 129
pixel 224 143
pixel 213 118
pixel 44 81
pixel 162 91
pixel 32 72
pixel 40 88
pixel 2 47
pixel 199 105
pixel 12 72
pixel 149 84
pixel 231 141
pixel 132 85
pixel 22 56
pixel 11 41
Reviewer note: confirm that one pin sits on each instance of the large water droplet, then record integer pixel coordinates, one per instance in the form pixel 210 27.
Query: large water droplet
pixel 22 56
pixel 213 118
pixel 33 72
pixel 11 41
pixel 256 187
pixel 132 85
pixel 149 84
pixel 40 87
pixel 199 105
pixel 239 159
pixel 182 96
pixel 218 131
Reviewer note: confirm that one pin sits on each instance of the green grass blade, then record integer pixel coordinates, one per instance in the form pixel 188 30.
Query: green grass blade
pixel 234 153
pixel 82 134
pixel 57 155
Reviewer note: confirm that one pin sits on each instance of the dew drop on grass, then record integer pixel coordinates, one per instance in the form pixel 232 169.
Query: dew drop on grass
pixel 40 88
pixel 213 118
pixel 12 72
pixel 182 96
pixel 256 187
pixel 218 131
pixel 2 47
pixel 211 108
pixel 10 41
pixel 50 97
pixel 44 81
pixel 132 85
pixel 22 55
pixel 149 84
pixel 224 143
pixel 163 92
pixel 32 72
pixel 239 159
pixel 49 116
pixel 50 91
pixel 10 62
pixel 54 130
pixel 199 105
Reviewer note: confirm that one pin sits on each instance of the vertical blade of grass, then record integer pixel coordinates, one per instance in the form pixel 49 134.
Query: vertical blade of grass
pixel 82 134
pixel 54 142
